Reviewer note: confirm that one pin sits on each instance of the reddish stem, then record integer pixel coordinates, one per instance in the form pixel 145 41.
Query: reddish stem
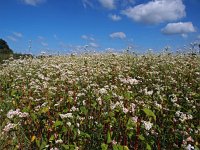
pixel 137 134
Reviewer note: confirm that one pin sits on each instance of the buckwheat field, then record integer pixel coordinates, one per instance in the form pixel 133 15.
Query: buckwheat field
pixel 101 102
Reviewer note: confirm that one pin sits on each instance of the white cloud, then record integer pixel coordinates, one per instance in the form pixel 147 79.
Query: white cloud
pixel 17 34
pixel 184 35
pixel 87 3
pixel 12 38
pixel 95 45
pixel 120 35
pixel 179 28
pixel 33 2
pixel 114 17
pixel 44 44
pixel 41 38
pixel 109 4
pixel 156 11
pixel 87 37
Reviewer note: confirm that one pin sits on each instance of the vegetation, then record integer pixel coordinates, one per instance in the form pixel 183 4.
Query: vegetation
pixel 6 52
pixel 107 101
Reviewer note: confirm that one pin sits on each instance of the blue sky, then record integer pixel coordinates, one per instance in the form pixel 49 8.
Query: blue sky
pixel 69 25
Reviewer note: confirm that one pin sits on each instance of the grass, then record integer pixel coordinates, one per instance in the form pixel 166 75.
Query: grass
pixel 100 101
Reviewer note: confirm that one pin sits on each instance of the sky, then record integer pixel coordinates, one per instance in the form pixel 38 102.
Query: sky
pixel 66 26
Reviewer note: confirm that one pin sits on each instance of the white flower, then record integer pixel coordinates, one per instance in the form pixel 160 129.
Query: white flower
pixel 132 107
pixel 158 105
pixel 147 125
pixel 59 141
pixel 99 100
pixel 69 124
pixel 189 139
pixel 173 98
pixel 134 119
pixel 125 110
pixel 148 92
pixel 68 115
pixel 74 109
pixel 133 81
pixel 9 126
pixel 114 142
pixel 23 115
pixel 190 147
pixel 12 113
pixel 84 103
pixel 79 132
pixel 55 148
pixel 102 91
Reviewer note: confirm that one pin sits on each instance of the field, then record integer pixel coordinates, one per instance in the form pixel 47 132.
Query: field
pixel 101 101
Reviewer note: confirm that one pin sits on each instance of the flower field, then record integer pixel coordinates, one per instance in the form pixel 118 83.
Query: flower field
pixel 101 101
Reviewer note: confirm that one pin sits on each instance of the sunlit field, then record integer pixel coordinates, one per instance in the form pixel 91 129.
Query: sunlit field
pixel 101 102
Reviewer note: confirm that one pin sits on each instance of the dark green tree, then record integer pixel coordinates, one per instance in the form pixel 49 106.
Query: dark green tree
pixel 4 48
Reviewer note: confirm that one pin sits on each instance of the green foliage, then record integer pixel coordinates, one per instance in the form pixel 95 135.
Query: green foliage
pixel 100 101
pixel 4 48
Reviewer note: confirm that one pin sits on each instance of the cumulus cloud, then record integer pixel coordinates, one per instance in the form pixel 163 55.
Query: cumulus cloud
pixel 87 3
pixel 156 11
pixel 87 37
pixel 17 34
pixel 178 28
pixel 44 44
pixel 95 45
pixel 10 37
pixel 119 35
pixel 33 2
pixel 114 17
pixel 109 4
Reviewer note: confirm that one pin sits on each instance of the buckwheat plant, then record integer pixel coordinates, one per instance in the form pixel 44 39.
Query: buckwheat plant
pixel 101 101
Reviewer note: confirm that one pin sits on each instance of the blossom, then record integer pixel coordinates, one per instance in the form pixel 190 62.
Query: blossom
pixel 68 115
pixel 189 139
pixel 17 112
pixel 134 119
pixel 189 147
pixel 69 124
pixel 55 148
pixel 9 126
pixel 147 125
pixel 12 113
pixel 148 92
pixel 125 110
pixel 74 109
pixel 102 91
pixel 59 141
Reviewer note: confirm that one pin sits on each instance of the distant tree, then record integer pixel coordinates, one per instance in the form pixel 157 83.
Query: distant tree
pixel 4 48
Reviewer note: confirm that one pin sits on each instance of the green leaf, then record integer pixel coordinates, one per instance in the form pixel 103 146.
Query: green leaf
pixel 141 137
pixel 109 140
pixel 45 109
pixel 43 145
pixel 66 147
pixel 115 147
pixel 104 146
pixel 84 110
pixel 130 124
pixel 148 147
pixel 58 123
pixel 149 113
pixel 51 138
pixel 37 142
pixel 125 148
